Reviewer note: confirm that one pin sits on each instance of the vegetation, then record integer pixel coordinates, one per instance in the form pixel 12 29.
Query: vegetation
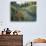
pixel 23 12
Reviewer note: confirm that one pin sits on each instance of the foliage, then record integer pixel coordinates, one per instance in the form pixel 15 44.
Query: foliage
pixel 27 11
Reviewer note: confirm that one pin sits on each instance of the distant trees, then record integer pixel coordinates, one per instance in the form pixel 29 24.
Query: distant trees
pixel 24 5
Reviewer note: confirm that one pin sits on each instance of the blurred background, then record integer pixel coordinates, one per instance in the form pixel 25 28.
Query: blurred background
pixel 23 12
pixel 30 30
